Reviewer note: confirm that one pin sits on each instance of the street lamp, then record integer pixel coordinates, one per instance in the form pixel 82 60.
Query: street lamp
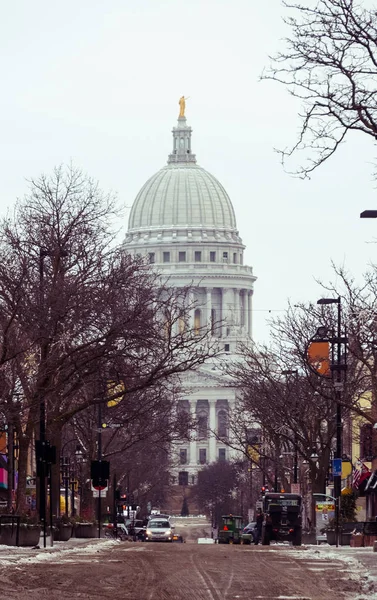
pixel 45 453
pixel 338 387
pixel 368 214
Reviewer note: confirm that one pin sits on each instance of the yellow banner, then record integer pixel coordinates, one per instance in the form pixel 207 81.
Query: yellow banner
pixel 115 387
pixel 253 453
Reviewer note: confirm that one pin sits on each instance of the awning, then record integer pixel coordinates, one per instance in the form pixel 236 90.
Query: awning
pixel 371 485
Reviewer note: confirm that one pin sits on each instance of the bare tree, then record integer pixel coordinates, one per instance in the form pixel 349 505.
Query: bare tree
pixel 330 64
pixel 85 313
pixel 294 407
pixel 213 492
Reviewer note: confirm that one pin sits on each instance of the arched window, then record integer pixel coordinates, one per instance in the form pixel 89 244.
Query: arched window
pixel 197 321
pixel 366 442
pixel 222 424
pixel 202 425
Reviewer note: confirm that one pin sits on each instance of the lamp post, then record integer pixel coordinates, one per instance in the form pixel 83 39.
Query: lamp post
pixel 338 387
pixel 295 461
pixel 45 454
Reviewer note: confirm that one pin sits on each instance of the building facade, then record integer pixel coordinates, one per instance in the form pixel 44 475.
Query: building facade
pixel 183 221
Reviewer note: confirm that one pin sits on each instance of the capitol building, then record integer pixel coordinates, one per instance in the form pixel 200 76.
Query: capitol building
pixel 183 221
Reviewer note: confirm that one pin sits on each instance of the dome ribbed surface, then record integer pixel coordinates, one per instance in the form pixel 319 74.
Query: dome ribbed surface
pixel 182 196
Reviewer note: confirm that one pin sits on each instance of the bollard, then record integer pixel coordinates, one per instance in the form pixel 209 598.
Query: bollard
pixel 375 546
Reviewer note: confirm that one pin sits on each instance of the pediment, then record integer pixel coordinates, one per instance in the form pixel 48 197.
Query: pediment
pixel 206 376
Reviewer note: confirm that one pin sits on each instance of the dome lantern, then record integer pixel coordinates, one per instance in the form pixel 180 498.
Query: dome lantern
pixel 181 144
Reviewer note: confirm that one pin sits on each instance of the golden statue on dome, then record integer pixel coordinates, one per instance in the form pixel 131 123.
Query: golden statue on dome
pixel 182 106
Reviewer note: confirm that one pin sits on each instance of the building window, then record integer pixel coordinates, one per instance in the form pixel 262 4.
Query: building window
pixel 183 478
pixel 183 456
pixel 212 257
pixel 235 258
pixel 197 321
pixel 202 425
pixel 222 453
pixel 225 257
pixel 366 442
pixel 151 257
pixel 226 347
pixel 222 424
pixel 193 479
pixel 198 256
pixel 182 257
pixel 202 456
pixel 166 257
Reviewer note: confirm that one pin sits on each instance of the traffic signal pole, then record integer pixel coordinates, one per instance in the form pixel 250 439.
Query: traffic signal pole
pixel 99 458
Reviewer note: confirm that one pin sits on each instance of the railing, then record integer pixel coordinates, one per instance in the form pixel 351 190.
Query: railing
pixel 14 520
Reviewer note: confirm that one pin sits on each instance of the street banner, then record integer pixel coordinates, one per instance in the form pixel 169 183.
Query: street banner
pixel 319 358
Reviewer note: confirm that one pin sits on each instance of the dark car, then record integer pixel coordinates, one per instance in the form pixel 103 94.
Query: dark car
pixel 248 533
pixel 137 530
pixel 250 528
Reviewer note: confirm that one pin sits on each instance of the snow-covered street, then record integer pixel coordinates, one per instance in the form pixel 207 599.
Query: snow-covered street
pixel 101 569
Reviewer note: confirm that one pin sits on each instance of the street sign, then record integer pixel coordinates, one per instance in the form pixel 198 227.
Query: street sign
pixel 96 493
pixel 103 488
pixel 337 467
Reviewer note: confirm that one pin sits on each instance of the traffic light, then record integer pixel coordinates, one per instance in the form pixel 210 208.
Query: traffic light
pixel 99 469
pixel 263 490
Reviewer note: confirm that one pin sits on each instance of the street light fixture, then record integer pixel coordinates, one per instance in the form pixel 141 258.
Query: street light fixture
pixel 314 456
pixel 368 214
pixel 338 387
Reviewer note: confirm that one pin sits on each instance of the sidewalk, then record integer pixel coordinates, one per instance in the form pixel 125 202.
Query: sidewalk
pixel 365 556
pixel 12 553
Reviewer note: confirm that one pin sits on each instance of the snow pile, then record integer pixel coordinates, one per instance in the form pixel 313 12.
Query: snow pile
pixel 357 570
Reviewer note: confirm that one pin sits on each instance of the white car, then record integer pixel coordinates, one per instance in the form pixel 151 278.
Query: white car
pixel 159 530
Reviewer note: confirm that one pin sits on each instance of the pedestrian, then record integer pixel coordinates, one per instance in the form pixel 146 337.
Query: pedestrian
pixel 258 527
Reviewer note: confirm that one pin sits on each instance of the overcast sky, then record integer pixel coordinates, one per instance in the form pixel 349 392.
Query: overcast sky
pixel 98 82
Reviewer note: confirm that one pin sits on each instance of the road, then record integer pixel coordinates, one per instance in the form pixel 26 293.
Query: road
pixel 157 571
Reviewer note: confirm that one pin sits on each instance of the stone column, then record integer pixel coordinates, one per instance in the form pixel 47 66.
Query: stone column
pixel 225 312
pixel 250 307
pixel 193 458
pixel 213 427
pixel 190 299
pixel 246 310
pixel 209 306
pixel 237 311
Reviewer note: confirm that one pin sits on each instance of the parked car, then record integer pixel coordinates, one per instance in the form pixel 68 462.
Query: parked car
pixel 248 533
pixel 159 530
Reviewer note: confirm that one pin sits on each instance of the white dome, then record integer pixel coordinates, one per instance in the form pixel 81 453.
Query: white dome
pixel 182 195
